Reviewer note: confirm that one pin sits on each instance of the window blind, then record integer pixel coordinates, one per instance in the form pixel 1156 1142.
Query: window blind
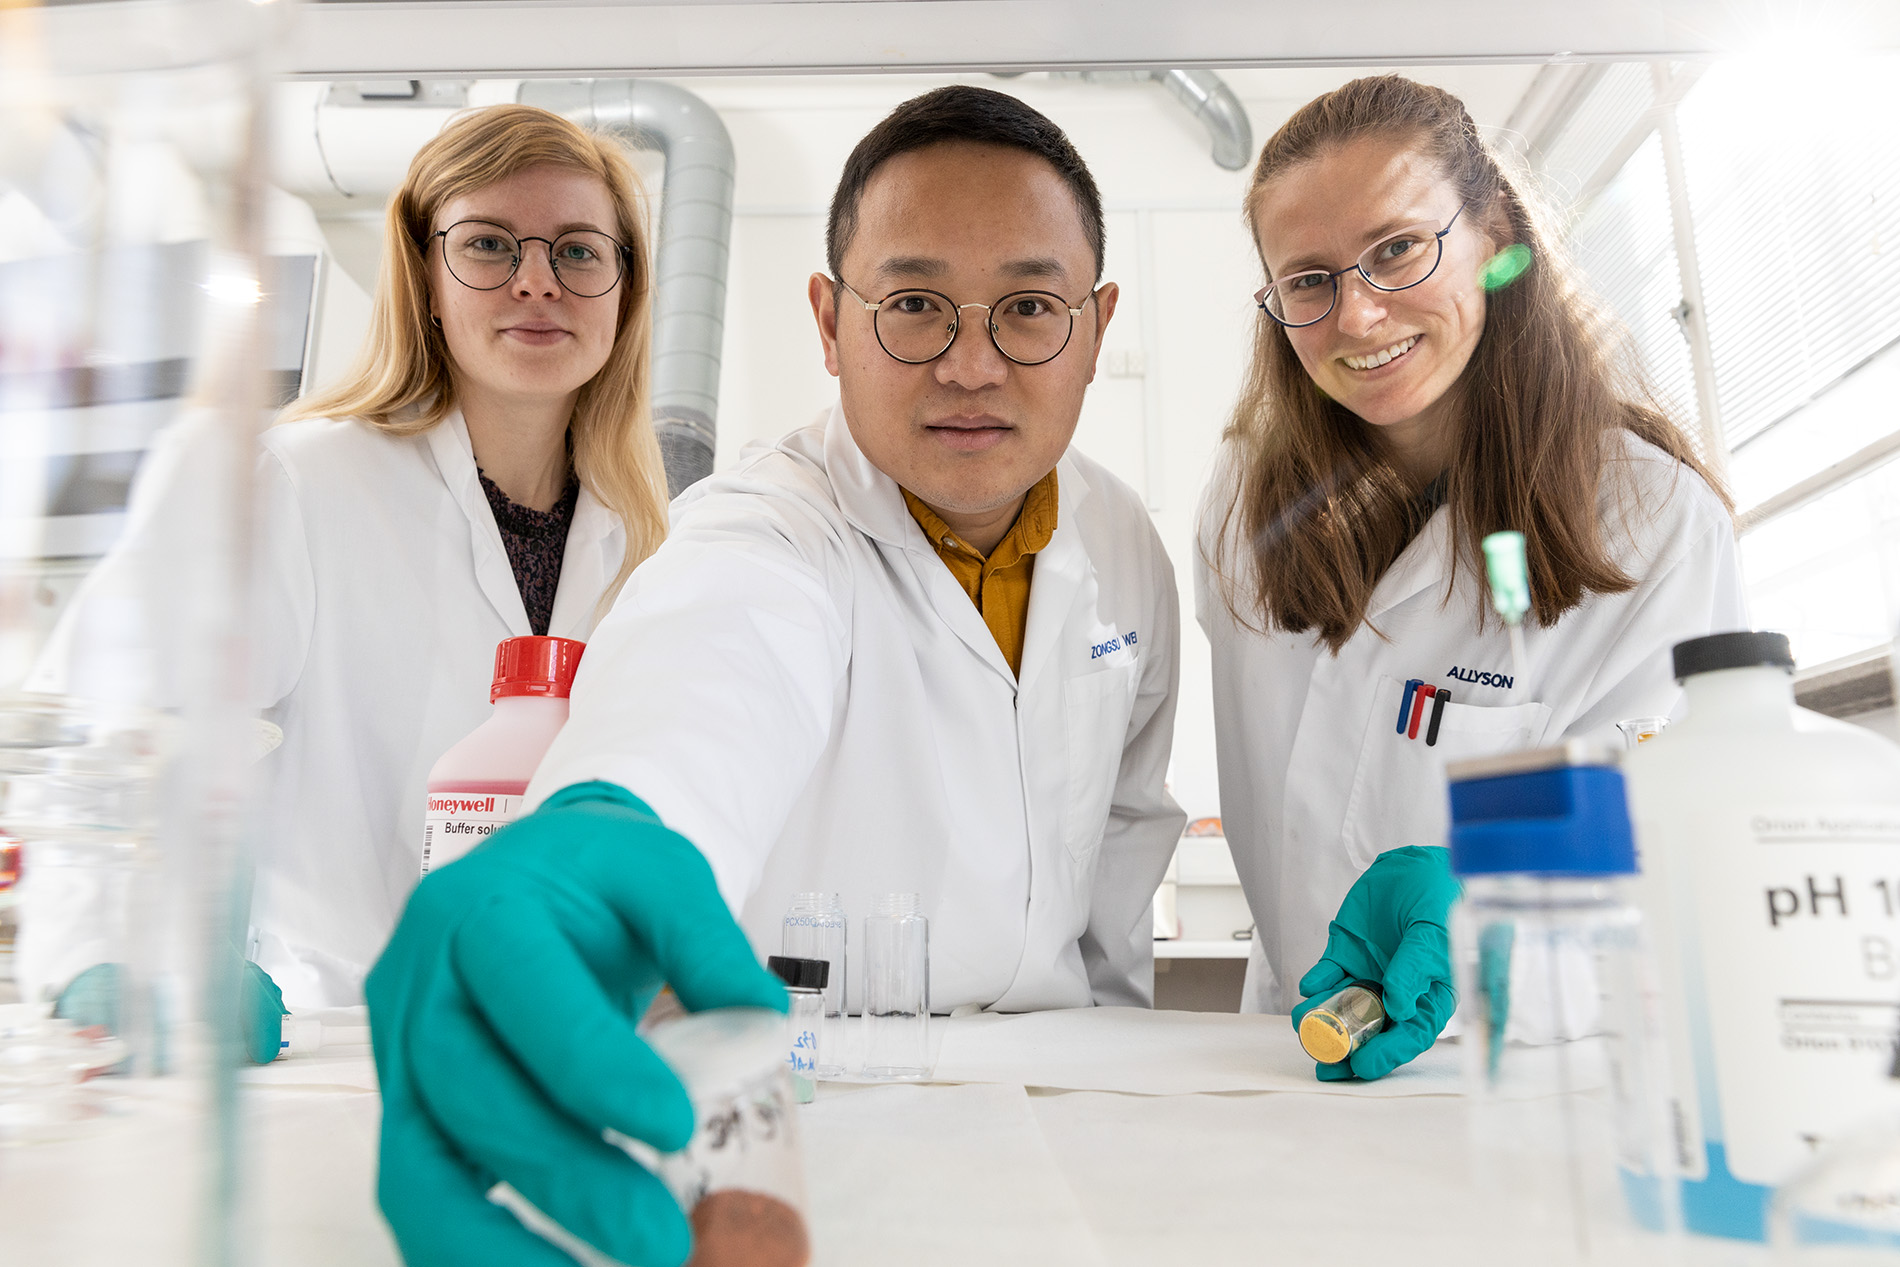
pixel 1615 103
pixel 1794 189
pixel 1624 242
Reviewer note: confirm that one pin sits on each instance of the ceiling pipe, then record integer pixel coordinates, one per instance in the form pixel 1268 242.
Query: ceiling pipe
pixel 1207 97
pixel 689 264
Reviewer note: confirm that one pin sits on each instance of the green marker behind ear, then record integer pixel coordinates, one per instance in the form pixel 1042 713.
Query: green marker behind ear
pixel 1509 574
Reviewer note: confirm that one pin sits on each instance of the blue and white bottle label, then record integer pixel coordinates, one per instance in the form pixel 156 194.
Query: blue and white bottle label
pixel 1800 950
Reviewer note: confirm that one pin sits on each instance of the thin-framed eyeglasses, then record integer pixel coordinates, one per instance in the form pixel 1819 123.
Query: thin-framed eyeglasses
pixel 1027 326
pixel 1395 262
pixel 485 256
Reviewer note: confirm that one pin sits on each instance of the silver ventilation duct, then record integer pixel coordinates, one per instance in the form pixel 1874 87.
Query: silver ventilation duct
pixel 1204 93
pixel 1219 110
pixel 689 266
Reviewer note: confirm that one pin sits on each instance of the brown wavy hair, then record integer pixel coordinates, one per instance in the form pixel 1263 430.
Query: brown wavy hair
pixel 401 383
pixel 1317 510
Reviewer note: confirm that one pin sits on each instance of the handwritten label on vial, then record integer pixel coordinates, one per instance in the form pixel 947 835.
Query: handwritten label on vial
pixel 803 1056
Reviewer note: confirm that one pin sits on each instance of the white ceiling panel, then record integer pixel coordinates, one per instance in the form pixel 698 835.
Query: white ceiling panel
pixel 352 38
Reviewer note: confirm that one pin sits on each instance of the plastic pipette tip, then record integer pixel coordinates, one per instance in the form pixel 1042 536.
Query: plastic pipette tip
pixel 1509 574
pixel 1494 977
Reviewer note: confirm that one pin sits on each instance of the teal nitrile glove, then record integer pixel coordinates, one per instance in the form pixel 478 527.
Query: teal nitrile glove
pixel 92 998
pixel 502 1013
pixel 260 1014
pixel 1391 930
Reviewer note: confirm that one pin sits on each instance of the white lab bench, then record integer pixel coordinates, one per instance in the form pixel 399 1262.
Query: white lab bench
pixel 1215 1147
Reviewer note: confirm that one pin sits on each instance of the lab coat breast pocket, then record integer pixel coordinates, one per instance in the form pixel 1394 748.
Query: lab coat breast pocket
pixel 1398 791
pixel 1098 705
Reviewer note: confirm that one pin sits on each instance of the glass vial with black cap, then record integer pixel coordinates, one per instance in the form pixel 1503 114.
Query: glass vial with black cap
pixel 815 929
pixel 805 981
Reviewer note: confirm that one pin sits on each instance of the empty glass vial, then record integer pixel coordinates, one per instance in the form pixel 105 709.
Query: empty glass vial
pixel 805 1027
pixel 815 929
pixel 1640 730
pixel 741 1179
pixel 897 988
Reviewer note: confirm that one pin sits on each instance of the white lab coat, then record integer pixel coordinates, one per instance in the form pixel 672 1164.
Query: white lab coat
pixel 797 684
pixel 386 589
pixel 1316 780
pixel 382 589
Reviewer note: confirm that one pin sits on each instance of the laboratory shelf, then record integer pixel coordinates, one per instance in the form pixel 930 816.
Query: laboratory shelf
pixel 1186 949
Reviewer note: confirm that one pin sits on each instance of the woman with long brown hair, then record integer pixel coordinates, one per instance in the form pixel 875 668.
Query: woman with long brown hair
pixel 1425 372
pixel 487 470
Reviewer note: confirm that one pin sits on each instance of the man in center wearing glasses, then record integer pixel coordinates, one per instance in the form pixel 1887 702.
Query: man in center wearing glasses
pixel 923 646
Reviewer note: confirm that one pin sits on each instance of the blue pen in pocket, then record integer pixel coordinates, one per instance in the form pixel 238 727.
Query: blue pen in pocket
pixel 1405 702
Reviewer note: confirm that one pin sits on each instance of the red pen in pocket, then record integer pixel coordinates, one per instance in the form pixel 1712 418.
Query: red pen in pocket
pixel 1425 691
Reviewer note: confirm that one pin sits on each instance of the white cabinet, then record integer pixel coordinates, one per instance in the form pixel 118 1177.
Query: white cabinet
pixel 1200 906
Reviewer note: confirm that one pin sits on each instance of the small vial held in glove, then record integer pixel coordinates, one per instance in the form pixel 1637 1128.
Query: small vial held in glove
pixel 734 1228
pixel 1341 1025
pixel 740 1178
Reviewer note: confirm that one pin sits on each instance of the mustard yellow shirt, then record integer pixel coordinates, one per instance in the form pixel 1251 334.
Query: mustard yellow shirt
pixel 998 584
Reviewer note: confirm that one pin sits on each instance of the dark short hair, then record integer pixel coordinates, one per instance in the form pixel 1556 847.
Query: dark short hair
pixel 961 112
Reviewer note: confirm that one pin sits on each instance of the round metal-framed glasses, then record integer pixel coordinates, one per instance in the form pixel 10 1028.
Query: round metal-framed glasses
pixel 1027 326
pixel 1395 262
pixel 484 256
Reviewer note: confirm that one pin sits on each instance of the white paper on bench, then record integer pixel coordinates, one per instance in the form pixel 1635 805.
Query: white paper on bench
pixel 1143 1052
pixel 932 1176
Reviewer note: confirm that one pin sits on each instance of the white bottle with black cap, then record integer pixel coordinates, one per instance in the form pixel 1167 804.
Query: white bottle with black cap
pixel 1770 842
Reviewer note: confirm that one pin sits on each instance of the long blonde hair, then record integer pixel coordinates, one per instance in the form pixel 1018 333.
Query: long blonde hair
pixel 1319 512
pixel 401 384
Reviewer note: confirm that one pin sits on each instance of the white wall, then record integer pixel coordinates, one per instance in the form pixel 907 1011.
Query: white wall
pixel 1175 245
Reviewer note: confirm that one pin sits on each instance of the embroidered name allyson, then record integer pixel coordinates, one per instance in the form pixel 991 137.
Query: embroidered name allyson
pixel 1480 679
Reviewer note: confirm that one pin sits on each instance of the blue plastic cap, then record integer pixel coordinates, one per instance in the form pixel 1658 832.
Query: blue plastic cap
pixel 1569 820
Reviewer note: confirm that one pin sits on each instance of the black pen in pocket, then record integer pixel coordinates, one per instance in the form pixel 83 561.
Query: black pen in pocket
pixel 1438 713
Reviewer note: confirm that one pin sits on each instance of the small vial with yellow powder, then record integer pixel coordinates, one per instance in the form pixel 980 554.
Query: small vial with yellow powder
pixel 1341 1025
pixel 1640 730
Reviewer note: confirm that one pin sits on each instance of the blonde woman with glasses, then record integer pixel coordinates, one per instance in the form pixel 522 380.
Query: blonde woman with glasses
pixel 487 470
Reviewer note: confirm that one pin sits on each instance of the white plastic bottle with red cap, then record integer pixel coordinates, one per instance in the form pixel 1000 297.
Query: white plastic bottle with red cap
pixel 476 787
